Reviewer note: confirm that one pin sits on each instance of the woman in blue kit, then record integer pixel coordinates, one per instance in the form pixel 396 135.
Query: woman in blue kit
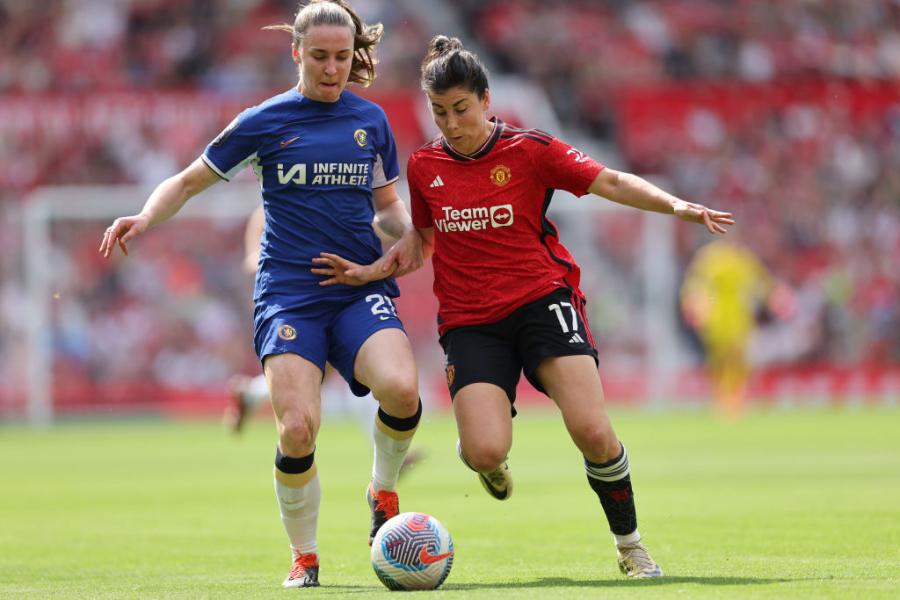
pixel 326 164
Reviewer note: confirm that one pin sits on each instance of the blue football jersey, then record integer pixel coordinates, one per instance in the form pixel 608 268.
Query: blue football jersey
pixel 317 163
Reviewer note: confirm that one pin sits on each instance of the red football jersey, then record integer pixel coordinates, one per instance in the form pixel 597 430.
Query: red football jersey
pixel 495 249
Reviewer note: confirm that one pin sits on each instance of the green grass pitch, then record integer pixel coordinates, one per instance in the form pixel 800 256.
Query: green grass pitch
pixel 801 504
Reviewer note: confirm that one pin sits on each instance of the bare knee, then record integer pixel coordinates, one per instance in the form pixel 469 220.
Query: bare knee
pixel 398 393
pixel 484 457
pixel 597 443
pixel 297 433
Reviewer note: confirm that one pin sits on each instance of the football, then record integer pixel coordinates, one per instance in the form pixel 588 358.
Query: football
pixel 412 551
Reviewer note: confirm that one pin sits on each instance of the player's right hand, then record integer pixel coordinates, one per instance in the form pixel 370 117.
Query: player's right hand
pixel 122 231
pixel 340 270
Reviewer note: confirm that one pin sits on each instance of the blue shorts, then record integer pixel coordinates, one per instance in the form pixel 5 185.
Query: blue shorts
pixel 333 332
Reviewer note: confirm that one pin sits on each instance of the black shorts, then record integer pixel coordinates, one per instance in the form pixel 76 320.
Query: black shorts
pixel 554 325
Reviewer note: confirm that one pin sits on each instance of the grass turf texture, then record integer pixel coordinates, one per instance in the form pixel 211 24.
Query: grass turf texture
pixel 779 504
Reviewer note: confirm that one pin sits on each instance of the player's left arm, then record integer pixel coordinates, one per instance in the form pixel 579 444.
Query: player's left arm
pixel 631 190
pixel 405 256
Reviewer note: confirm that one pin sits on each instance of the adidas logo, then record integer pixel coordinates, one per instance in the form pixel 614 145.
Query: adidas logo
pixel 576 339
pixel 438 182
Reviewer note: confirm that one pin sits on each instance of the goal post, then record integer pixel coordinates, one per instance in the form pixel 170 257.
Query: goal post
pixel 100 204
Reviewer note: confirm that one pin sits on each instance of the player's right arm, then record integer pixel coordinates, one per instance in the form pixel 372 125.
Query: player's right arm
pixel 166 200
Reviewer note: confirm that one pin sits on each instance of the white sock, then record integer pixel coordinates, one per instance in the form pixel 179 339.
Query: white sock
pixel 389 455
pixel 300 513
pixel 630 538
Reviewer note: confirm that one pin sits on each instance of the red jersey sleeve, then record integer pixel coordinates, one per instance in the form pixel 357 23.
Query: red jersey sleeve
pixel 421 215
pixel 562 167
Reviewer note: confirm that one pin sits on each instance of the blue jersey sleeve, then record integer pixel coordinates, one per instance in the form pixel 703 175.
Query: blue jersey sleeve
pixel 234 148
pixel 387 169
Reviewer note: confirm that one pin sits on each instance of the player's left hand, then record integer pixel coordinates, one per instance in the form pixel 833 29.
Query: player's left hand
pixel 714 220
pixel 405 256
pixel 340 270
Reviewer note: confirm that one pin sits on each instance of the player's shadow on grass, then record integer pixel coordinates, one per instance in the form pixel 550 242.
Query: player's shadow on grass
pixel 563 582
pixel 553 582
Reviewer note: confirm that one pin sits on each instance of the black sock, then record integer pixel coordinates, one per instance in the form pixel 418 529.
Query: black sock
pixel 611 481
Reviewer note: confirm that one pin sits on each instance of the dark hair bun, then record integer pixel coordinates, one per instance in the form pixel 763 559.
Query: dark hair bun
pixel 448 64
pixel 441 44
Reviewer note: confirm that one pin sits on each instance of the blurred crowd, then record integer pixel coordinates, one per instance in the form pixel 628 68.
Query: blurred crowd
pixel 90 46
pixel 108 328
pixel 93 91
pixel 582 50
pixel 102 92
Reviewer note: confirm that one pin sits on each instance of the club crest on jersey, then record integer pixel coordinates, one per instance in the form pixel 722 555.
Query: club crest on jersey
pixel 361 137
pixel 451 375
pixel 500 175
pixel 287 333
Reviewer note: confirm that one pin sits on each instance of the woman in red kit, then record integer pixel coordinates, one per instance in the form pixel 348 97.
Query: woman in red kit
pixel 508 289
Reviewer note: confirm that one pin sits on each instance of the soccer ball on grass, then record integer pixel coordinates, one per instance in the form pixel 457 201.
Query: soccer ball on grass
pixel 412 551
